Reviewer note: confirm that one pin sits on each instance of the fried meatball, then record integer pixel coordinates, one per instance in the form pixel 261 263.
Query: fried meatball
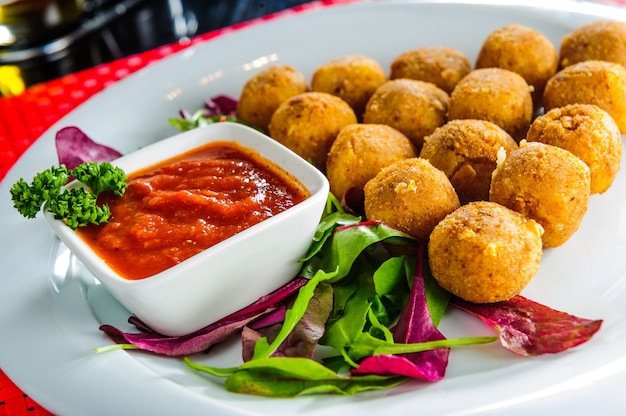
pixel 410 195
pixel 353 78
pixel 466 151
pixel 494 94
pixel 484 252
pixel 264 92
pixel 360 151
pixel 590 82
pixel 522 50
pixel 588 132
pixel 415 108
pixel 308 123
pixel 441 66
pixel 601 40
pixel 546 183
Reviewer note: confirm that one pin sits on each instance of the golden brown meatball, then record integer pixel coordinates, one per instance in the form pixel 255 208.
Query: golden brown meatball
pixel 522 50
pixel 441 66
pixel 410 195
pixel 494 94
pixel 466 151
pixel 353 78
pixel 546 183
pixel 590 82
pixel 308 123
pixel 264 92
pixel 484 252
pixel 601 40
pixel 588 132
pixel 360 151
pixel 415 108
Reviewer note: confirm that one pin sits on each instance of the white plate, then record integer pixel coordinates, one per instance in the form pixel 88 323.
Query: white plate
pixel 50 307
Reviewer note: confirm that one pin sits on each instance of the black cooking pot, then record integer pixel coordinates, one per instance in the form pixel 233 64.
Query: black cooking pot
pixel 25 23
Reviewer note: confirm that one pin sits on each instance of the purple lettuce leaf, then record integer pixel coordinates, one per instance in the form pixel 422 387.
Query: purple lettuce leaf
pixel 528 328
pixel 415 325
pixel 269 319
pixel 208 336
pixel 304 338
pixel 250 336
pixel 75 147
pixel 220 105
pixel 354 201
pixel 216 109
pixel 388 364
pixel 181 345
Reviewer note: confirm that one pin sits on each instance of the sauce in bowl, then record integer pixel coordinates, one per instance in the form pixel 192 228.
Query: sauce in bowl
pixel 184 205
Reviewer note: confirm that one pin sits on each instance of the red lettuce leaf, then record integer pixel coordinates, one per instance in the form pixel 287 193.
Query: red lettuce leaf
pixel 387 364
pixel 304 338
pixel 269 319
pixel 354 201
pixel 75 147
pixel 182 345
pixel 210 335
pixel 221 105
pixel 529 328
pixel 415 325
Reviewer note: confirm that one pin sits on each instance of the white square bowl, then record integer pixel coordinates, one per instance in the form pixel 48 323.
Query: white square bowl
pixel 229 275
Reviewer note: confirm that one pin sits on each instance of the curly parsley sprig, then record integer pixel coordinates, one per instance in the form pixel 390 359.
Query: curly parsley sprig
pixel 76 206
pixel 101 177
pixel 46 185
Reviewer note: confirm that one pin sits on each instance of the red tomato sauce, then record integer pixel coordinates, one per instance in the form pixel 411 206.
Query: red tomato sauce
pixel 180 207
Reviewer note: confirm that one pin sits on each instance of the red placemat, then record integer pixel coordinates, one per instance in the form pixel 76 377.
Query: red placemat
pixel 25 117
pixel 14 402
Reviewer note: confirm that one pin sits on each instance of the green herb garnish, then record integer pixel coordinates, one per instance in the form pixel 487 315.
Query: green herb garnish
pixel 200 119
pixel 77 207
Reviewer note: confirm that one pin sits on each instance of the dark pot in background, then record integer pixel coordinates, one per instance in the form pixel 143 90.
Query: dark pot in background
pixel 25 23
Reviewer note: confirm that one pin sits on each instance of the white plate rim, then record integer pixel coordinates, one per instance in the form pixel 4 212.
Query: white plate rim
pixel 118 367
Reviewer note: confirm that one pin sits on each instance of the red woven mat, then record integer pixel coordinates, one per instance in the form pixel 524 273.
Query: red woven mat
pixel 14 402
pixel 27 116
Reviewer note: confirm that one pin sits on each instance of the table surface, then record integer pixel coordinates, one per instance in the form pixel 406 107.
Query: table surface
pixel 25 117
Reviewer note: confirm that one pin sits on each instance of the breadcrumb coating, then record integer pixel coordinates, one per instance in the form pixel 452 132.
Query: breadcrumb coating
pixel 484 252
